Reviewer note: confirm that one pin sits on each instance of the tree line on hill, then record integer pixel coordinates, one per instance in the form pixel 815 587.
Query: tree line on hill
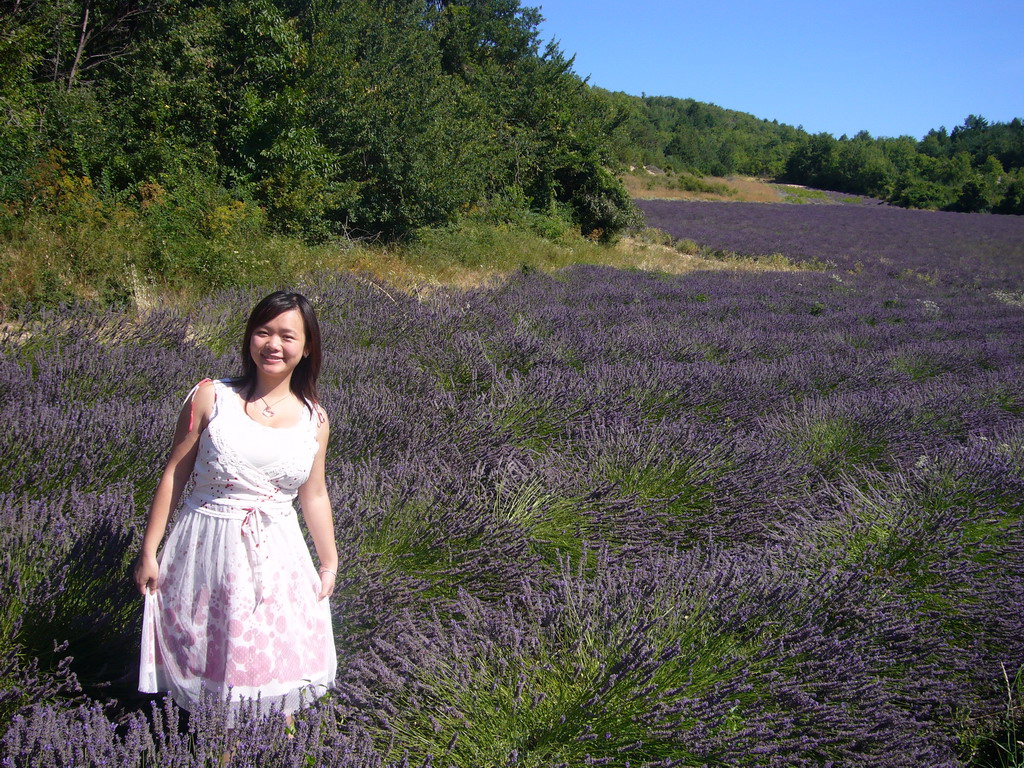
pixel 979 166
pixel 311 117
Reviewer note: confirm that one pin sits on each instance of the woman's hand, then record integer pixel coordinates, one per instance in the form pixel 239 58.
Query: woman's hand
pixel 147 573
pixel 327 579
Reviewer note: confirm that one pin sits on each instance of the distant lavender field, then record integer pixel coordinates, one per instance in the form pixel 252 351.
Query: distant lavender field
pixel 961 248
pixel 589 518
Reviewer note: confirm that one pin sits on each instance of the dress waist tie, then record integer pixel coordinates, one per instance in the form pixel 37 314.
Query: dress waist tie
pixel 254 534
pixel 255 538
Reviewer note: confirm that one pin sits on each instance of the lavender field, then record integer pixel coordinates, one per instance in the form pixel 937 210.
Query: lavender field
pixel 958 249
pixel 596 517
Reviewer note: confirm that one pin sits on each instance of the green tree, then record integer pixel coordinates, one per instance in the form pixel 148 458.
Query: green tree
pixel 1013 196
pixel 410 141
pixel 814 162
pixel 935 143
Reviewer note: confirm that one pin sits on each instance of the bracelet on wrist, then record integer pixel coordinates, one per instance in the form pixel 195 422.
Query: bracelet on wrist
pixel 328 570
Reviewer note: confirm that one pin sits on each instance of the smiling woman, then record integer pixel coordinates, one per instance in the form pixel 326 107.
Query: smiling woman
pixel 235 607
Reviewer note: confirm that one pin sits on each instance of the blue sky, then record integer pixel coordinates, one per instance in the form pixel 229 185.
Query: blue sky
pixel 891 68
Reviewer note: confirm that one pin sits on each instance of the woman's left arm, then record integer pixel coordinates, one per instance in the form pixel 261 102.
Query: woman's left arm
pixel 316 510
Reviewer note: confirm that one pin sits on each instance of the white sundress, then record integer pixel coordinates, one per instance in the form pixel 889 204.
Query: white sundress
pixel 236 603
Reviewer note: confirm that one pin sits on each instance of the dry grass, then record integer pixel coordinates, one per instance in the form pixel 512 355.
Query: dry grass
pixel 396 269
pixel 754 190
pixel 473 255
pixel 744 189
pixel 393 266
pixel 680 259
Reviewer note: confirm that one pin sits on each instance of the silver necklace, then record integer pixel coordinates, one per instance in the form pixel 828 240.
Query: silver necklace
pixel 268 410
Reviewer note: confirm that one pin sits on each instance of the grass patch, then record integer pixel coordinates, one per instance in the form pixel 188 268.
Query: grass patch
pixel 554 525
pixel 685 186
pixel 654 250
pixel 672 186
pixel 1013 298
pixel 917 366
pixel 422 539
pixel 792 193
pixel 48 261
pixel 1006 748
pixel 833 445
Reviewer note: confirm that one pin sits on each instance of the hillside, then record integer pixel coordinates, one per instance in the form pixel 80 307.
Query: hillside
pixel 978 167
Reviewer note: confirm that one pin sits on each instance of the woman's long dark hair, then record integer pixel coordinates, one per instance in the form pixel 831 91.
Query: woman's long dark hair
pixel 303 383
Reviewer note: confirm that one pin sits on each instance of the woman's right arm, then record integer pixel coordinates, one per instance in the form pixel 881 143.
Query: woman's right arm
pixel 192 420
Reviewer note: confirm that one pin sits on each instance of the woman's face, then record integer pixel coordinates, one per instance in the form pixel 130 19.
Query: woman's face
pixel 279 344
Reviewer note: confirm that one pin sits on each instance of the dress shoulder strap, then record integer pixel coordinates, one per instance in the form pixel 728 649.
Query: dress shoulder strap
pixel 190 398
pixel 317 415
